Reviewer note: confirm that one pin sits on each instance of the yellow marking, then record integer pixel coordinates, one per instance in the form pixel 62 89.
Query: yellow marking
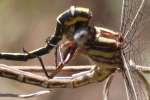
pixel 86 10
pixel 103 71
pixel 74 20
pixel 60 15
pixel 99 29
pixel 101 53
pixel 105 40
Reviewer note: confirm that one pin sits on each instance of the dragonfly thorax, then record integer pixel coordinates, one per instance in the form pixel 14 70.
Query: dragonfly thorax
pixel 104 46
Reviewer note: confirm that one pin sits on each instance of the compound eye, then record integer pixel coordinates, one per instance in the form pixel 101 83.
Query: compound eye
pixel 81 36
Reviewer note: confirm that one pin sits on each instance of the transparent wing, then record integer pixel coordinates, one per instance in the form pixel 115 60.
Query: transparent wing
pixel 131 18
pixel 141 87
pixel 137 87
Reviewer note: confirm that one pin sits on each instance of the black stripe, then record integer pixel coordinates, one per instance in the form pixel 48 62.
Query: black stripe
pixel 101 48
pixel 66 15
pixel 113 60
pixel 107 45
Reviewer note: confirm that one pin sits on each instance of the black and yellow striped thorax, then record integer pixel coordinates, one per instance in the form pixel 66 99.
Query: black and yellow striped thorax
pixel 74 15
pixel 104 47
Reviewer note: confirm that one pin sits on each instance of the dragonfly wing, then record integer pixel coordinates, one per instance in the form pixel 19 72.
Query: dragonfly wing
pixel 141 87
pixel 132 12
pixel 131 16
pixel 136 85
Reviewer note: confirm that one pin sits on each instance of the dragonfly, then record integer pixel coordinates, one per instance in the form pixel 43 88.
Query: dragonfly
pixel 111 51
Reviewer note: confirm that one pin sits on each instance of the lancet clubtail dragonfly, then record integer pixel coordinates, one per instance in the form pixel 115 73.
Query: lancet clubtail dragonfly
pixel 111 51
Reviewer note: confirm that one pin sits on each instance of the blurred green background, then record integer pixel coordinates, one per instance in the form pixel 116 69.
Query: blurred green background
pixel 27 23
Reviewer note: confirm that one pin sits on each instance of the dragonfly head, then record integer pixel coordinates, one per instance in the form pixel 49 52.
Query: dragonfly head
pixel 73 19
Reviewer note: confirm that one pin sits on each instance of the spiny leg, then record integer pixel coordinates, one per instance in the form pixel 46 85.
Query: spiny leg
pixel 76 80
pixel 65 57
pixel 41 62
pixel 56 55
pixel 58 67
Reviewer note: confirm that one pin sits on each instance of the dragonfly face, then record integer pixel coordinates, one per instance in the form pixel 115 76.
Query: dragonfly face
pixel 72 20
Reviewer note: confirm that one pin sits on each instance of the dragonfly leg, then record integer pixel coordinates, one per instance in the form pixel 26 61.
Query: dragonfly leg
pixel 65 57
pixel 41 62
pixel 76 80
